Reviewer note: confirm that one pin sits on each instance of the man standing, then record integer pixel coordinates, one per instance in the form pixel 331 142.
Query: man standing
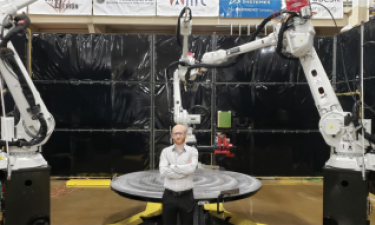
pixel 177 164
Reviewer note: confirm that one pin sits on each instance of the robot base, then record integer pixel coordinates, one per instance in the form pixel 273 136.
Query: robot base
pixel 345 197
pixel 22 160
pixel 345 162
pixel 26 197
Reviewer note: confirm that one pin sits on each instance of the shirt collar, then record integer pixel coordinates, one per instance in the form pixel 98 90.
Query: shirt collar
pixel 174 149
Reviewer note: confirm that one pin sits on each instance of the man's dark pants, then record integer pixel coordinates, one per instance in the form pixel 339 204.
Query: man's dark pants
pixel 181 204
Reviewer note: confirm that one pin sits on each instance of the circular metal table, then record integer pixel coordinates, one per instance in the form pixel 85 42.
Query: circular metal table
pixel 208 185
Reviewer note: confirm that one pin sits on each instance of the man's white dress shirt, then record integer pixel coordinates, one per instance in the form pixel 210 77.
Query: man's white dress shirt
pixel 175 168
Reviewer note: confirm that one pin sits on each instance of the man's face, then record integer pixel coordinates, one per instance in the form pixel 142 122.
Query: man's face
pixel 179 135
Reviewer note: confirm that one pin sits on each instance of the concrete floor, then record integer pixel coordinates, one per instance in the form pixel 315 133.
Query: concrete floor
pixel 295 202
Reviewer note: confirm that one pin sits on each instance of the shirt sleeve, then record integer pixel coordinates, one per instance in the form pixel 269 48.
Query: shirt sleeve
pixel 187 168
pixel 165 170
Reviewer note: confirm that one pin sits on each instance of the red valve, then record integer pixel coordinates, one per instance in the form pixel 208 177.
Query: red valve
pixel 222 142
pixel 224 146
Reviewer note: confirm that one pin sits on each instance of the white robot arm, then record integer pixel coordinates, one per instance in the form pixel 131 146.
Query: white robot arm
pixel 180 115
pixel 336 126
pixel 35 124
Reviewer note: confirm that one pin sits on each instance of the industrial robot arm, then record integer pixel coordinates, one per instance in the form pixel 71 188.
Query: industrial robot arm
pixel 180 115
pixel 35 124
pixel 295 36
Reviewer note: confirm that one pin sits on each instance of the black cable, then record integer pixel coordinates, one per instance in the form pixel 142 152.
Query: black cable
pixel 206 112
pixel 7 55
pixel 245 123
pixel 368 136
pixel 182 63
pixel 333 18
pixel 369 108
pixel 19 28
pixel 368 42
pixel 356 105
pixel 200 107
pixel 42 131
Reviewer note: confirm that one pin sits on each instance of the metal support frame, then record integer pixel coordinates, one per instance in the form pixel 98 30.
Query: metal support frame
pixel 101 130
pixel 152 133
pixel 105 82
pixel 334 71
pixel 167 130
pixel 273 131
pixel 78 82
pixel 361 67
pixel 334 68
pixel 363 99
pixel 245 26
pixel 213 121
pixel 213 92
pixel 214 83
pixel 28 53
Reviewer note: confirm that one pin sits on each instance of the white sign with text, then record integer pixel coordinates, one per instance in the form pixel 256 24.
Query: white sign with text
pixel 199 8
pixel 61 7
pixel 335 6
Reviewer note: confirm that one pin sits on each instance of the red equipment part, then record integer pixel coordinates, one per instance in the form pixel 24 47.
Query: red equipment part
pixel 227 153
pixel 224 146
pixel 296 5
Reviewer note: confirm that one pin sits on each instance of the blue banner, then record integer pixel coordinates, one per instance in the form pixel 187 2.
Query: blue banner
pixel 248 8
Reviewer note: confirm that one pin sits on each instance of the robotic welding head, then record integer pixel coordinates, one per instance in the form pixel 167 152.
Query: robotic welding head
pixel 185 21
pixel 299 6
pixel 184 28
